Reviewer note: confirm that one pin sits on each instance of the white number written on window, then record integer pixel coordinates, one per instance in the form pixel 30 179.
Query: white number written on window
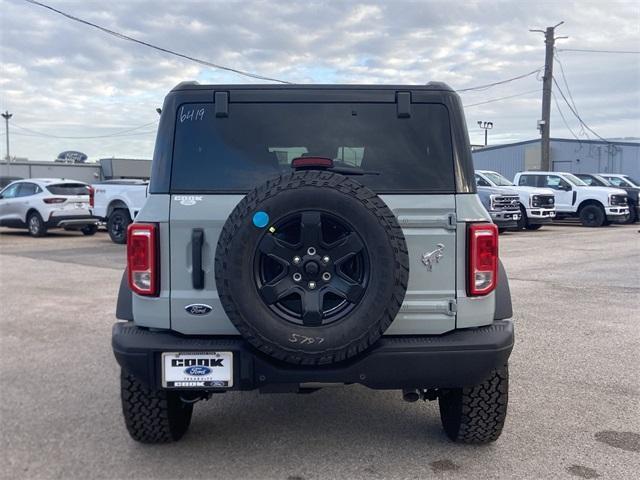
pixel 192 114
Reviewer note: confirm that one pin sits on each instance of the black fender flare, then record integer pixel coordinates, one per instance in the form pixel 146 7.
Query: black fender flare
pixel 124 307
pixel 503 309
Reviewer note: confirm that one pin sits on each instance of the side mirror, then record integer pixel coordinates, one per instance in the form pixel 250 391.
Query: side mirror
pixel 1 197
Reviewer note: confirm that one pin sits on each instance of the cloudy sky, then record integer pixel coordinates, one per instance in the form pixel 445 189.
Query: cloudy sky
pixel 60 78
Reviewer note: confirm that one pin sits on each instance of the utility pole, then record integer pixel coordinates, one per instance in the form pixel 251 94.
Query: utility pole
pixel 486 126
pixel 6 115
pixel 545 123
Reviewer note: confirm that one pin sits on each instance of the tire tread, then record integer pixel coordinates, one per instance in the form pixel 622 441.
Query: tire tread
pixel 476 414
pixel 150 415
pixel 370 201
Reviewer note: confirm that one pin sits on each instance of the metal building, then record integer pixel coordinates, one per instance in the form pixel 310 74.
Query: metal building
pixel 584 156
pixel 105 169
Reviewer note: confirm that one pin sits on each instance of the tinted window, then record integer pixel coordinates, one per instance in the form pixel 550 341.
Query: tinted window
pixel 69 189
pixel 11 191
pixel 528 180
pixel 481 182
pixel 555 182
pixel 588 180
pixel 615 181
pixel 258 141
pixel 27 189
pixel 498 179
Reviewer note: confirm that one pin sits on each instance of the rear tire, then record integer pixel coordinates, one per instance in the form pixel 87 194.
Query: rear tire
pixel 593 215
pixel 476 414
pixel 36 225
pixel 89 230
pixel 153 416
pixel 117 225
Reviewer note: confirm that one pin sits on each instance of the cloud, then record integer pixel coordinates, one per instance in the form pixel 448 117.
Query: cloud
pixel 64 78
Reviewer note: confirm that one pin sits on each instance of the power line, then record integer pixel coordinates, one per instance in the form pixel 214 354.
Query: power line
pixel 502 98
pixel 566 124
pixel 566 83
pixel 120 133
pixel 22 134
pixel 155 47
pixel 597 51
pixel 501 82
pixel 576 113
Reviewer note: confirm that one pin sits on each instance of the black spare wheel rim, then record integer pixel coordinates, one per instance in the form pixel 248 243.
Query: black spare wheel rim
pixel 311 267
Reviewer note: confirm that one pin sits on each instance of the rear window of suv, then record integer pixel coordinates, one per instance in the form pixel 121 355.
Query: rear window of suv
pixel 68 189
pixel 259 140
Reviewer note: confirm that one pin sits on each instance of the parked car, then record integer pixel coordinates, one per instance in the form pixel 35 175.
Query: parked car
pixel 299 236
pixel 537 205
pixel 594 206
pixel 5 180
pixel 620 180
pixel 599 180
pixel 39 204
pixel 117 202
pixel 503 206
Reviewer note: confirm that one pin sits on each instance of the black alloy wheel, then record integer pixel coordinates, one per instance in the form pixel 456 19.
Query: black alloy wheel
pixel 117 225
pixel 593 216
pixel 313 269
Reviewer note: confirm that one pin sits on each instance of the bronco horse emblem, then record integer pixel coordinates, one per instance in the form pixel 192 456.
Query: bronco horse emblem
pixel 433 257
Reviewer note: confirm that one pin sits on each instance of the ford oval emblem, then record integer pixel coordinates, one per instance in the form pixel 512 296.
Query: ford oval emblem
pixel 197 370
pixel 198 309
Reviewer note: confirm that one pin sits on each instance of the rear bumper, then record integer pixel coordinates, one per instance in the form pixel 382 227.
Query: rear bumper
pixel 456 359
pixel 71 221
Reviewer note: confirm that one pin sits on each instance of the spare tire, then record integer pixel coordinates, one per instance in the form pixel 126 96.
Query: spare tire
pixel 311 267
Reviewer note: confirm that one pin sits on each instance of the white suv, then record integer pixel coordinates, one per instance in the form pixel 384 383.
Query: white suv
pixel 42 203
pixel 594 206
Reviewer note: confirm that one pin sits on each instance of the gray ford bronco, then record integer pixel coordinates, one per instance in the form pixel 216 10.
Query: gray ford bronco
pixel 297 237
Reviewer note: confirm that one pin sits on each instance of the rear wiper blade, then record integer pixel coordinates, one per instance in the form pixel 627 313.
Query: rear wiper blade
pixel 352 171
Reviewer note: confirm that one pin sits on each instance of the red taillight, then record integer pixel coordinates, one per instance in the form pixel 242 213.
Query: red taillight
pixel 483 258
pixel 142 265
pixel 92 197
pixel 54 200
pixel 311 162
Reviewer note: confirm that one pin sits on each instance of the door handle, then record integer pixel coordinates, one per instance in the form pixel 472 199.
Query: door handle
pixel 197 274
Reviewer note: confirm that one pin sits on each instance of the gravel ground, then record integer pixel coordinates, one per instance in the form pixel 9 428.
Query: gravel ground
pixel 574 407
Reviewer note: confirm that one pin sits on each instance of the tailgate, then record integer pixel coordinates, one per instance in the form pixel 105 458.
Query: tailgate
pixel 429 227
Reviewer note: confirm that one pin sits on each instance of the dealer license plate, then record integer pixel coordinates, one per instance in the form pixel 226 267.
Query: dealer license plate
pixel 197 370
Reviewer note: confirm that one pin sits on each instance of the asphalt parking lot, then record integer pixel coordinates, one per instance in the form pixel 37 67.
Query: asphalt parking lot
pixel 574 407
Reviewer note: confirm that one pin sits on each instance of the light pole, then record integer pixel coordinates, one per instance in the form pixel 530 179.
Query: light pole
pixel 486 126
pixel 6 115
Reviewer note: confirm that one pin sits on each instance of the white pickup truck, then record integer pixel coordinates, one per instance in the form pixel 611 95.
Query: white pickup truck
pixel 117 202
pixel 537 205
pixel 594 206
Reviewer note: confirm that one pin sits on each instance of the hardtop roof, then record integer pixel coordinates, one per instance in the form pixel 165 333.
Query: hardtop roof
pixel 193 85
